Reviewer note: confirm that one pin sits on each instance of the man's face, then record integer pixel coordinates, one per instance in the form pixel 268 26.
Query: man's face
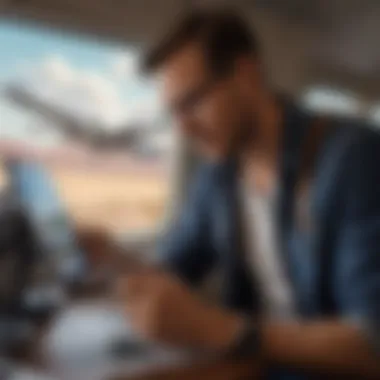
pixel 212 112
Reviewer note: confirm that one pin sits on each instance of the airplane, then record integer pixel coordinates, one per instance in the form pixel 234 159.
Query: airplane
pixel 132 137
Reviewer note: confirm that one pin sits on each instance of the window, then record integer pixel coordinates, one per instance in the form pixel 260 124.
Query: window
pixel 79 107
pixel 3 179
pixel 330 100
pixel 334 101
pixel 375 115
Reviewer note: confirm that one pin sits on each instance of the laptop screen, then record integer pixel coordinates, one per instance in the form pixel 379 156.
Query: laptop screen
pixel 54 235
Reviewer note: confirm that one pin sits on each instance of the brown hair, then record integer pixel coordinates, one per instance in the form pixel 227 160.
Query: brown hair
pixel 222 34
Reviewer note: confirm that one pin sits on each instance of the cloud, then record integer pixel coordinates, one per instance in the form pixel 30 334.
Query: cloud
pixel 57 69
pixel 124 65
pixel 85 94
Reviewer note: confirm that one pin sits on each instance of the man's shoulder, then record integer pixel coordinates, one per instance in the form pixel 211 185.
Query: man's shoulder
pixel 353 138
pixel 352 152
pixel 361 128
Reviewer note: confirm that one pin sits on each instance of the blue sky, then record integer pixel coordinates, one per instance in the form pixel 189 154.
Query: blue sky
pixel 21 43
pixel 91 79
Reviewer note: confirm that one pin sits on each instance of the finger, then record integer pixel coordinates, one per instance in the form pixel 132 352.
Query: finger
pixel 139 285
pixel 132 265
pixel 96 243
pixel 92 236
pixel 132 286
pixel 135 307
pixel 136 311
pixel 138 315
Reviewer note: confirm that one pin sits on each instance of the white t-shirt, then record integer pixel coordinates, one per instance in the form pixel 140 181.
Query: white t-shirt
pixel 263 256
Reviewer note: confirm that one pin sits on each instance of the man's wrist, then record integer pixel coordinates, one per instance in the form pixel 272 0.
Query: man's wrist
pixel 247 342
pixel 230 335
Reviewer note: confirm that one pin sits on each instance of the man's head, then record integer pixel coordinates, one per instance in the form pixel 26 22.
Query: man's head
pixel 209 71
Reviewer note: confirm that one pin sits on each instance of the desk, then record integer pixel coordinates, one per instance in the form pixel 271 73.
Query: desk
pixel 212 371
pixel 154 366
pixel 158 364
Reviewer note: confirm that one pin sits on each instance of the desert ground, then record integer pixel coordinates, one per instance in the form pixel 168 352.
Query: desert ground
pixel 126 199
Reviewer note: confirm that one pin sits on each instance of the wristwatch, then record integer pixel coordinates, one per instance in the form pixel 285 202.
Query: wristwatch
pixel 247 342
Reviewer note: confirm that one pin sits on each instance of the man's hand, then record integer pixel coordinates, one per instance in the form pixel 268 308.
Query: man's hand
pixel 161 308
pixel 96 243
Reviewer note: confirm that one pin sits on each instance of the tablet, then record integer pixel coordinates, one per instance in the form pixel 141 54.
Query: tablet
pixel 51 226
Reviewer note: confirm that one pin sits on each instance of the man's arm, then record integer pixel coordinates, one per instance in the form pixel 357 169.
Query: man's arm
pixel 163 309
pixel 328 347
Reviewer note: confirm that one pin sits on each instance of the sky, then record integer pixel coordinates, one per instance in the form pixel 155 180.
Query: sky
pixel 95 81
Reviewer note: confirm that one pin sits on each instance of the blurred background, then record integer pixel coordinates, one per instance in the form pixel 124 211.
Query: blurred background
pixel 71 95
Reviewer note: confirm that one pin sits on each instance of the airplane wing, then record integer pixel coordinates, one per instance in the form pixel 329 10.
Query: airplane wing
pixel 125 137
pixel 67 124
pixel 61 120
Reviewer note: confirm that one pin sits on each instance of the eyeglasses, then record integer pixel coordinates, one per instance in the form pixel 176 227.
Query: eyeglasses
pixel 190 103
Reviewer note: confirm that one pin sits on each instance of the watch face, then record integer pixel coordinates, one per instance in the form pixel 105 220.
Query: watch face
pixel 249 342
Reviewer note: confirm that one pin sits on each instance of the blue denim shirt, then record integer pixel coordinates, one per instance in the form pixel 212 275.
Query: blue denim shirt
pixel 334 266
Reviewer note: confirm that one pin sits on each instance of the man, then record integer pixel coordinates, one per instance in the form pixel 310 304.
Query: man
pixel 303 291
